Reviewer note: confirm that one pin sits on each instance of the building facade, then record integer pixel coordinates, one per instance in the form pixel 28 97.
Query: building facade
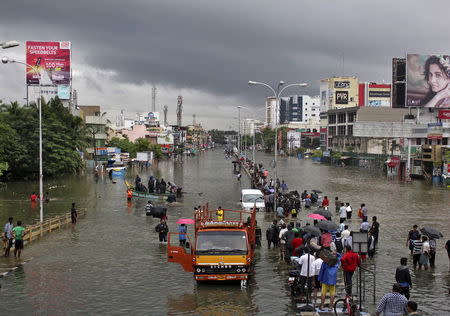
pixel 300 112
pixel 338 93
pixel 374 94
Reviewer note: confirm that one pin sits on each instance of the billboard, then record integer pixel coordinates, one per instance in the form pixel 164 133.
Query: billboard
pixel 48 63
pixel 427 81
pixel 341 97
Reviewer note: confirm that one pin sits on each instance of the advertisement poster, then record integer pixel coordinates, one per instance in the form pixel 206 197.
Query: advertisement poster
pixel 427 81
pixel 435 131
pixel 48 63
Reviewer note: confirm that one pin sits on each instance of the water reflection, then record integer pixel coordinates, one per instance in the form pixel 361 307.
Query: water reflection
pixel 214 299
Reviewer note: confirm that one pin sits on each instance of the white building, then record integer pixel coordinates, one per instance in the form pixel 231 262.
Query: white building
pixel 248 126
pixel 301 112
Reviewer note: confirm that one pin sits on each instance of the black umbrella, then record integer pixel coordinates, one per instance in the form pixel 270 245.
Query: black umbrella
pixel 327 225
pixel 323 212
pixel 431 232
pixel 316 191
pixel 312 230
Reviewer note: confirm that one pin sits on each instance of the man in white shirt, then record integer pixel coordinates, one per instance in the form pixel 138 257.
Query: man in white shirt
pixel 424 253
pixel 342 213
pixel 345 235
pixel 306 275
pixel 349 210
pixel 282 242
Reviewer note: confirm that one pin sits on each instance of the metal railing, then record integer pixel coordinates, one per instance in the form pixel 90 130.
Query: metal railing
pixel 366 276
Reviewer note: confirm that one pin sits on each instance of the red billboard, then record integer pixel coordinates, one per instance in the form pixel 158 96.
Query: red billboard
pixel 444 114
pixel 48 63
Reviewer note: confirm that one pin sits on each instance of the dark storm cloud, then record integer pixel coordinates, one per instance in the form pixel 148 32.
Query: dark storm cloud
pixel 217 46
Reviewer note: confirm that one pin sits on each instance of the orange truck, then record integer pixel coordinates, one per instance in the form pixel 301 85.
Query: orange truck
pixel 223 248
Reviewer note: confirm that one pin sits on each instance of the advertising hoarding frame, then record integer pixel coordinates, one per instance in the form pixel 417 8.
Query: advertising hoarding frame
pixel 52 60
pixel 418 92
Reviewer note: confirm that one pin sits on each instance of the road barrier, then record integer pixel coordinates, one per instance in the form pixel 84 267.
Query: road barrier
pixel 38 230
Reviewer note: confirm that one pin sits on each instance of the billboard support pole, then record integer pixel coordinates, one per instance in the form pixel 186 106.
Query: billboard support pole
pixel 408 161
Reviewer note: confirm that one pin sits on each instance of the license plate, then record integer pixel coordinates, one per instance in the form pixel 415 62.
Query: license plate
pixel 291 279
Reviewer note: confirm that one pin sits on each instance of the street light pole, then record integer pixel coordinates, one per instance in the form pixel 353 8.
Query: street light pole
pixel 239 130
pixel 6 60
pixel 254 145
pixel 277 95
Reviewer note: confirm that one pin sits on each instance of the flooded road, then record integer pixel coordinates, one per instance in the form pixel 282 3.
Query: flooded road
pixel 112 262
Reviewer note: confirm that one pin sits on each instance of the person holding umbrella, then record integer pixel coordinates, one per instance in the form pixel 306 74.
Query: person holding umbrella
pixel 182 230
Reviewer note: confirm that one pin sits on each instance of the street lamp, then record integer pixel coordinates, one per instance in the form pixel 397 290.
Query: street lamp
pixel 9 44
pixel 6 60
pixel 277 95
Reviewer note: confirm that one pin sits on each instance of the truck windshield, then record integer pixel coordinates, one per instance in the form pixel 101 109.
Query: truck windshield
pixel 252 198
pixel 221 242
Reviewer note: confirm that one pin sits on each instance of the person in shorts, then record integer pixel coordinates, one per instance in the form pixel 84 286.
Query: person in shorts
pixel 328 278
pixel 18 233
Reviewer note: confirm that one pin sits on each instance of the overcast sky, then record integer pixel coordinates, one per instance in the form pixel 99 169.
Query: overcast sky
pixel 207 50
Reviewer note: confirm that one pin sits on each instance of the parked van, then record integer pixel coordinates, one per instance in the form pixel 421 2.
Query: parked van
pixel 249 197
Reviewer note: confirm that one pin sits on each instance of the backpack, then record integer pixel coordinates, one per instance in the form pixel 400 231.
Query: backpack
pixel 339 246
pixel 360 213
pixel 328 257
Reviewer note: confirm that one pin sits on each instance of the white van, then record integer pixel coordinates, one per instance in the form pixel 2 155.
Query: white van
pixel 249 197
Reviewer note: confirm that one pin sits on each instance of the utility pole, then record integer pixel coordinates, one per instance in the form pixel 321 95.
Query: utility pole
pixel 166 108
pixel 154 98
pixel 179 110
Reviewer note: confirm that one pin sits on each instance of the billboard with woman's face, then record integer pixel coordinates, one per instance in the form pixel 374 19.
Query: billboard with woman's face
pixel 428 81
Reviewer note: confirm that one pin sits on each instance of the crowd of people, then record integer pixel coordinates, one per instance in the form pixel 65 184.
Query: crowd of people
pixel 304 244
pixel 155 185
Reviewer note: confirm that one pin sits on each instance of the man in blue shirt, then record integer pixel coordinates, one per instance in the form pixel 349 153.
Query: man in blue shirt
pixel 328 278
pixel 8 237
pixel 182 229
pixel 392 304
pixel 403 277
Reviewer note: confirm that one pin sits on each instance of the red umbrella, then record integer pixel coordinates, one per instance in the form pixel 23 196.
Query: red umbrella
pixel 185 221
pixel 317 216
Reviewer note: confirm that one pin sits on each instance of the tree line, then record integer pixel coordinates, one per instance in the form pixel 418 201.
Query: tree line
pixel 64 139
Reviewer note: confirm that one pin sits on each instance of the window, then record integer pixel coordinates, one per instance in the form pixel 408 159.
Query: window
pixel 444 141
pixel 351 116
pixel 332 119
pixel 418 141
pixel 313 114
pixel 341 118
pixel 341 130
pixel 350 130
pixel 332 130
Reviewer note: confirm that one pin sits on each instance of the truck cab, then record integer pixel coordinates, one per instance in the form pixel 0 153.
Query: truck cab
pixel 251 198
pixel 223 250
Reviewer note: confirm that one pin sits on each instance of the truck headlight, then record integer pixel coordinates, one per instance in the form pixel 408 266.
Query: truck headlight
pixel 203 270
pixel 243 270
pixel 238 270
pixel 199 270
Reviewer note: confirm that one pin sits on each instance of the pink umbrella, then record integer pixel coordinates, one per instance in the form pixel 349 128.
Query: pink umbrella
pixel 317 216
pixel 185 221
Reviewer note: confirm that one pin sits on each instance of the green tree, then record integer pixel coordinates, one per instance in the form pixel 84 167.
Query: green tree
pixel 62 138
pixel 142 144
pixel 124 144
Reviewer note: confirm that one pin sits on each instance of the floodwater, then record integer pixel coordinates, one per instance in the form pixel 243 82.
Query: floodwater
pixel 112 263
